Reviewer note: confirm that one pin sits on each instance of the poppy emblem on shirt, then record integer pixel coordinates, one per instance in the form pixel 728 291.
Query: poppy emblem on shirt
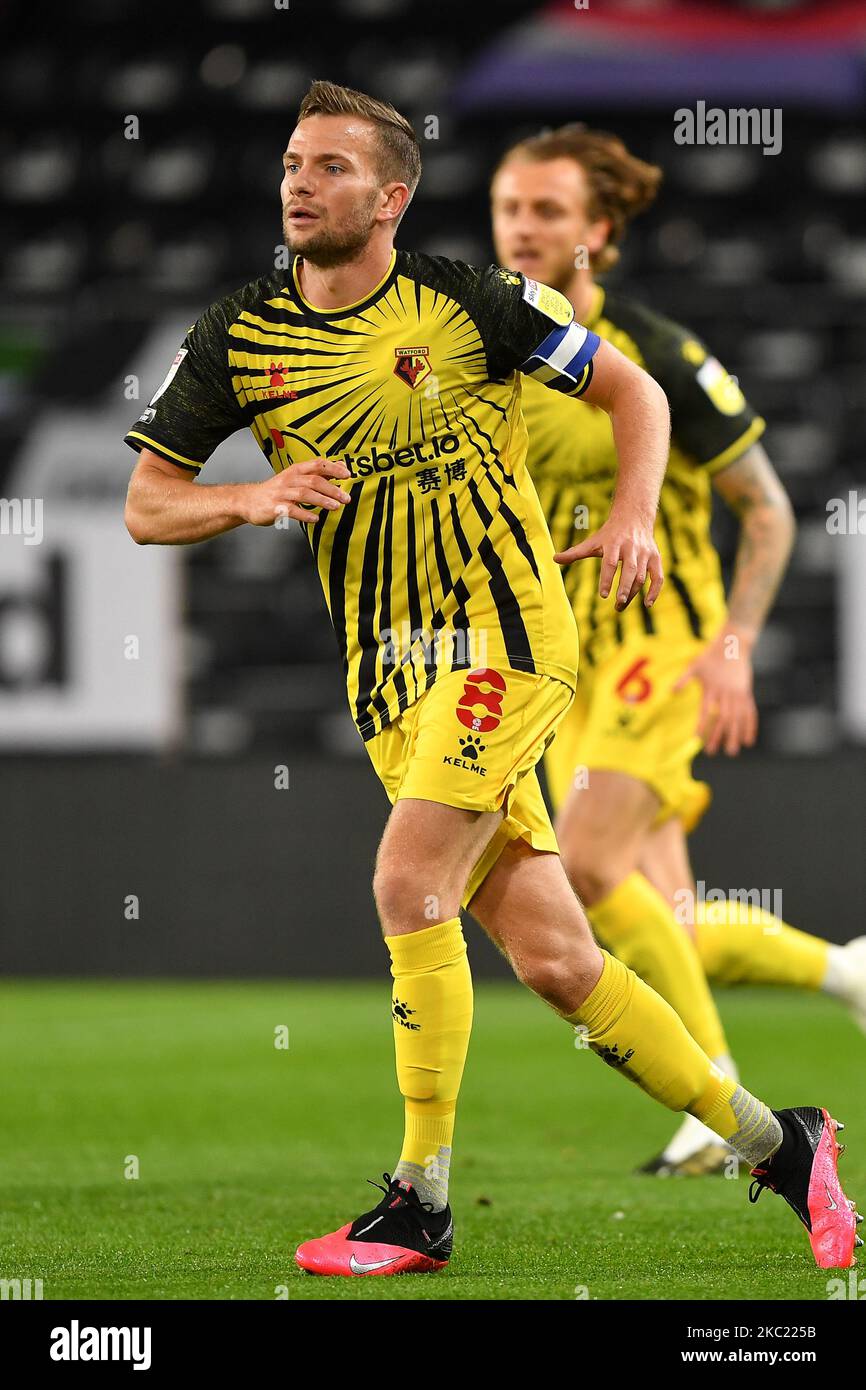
pixel 412 365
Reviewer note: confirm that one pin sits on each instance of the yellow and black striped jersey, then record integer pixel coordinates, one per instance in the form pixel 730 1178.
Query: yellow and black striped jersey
pixel 573 463
pixel 442 558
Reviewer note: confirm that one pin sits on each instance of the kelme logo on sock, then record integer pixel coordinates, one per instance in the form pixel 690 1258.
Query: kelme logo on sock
pixel 612 1055
pixel 401 1013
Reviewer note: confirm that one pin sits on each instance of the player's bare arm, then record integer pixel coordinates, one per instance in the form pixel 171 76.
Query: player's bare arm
pixel 166 505
pixel 640 418
pixel 754 492
pixel 751 488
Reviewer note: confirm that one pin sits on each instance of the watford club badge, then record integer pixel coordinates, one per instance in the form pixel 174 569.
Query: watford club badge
pixel 412 365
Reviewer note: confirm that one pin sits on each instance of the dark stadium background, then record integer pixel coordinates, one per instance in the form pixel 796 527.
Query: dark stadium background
pixel 163 787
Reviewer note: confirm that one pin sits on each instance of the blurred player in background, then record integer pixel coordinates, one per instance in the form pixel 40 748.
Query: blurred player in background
pixel 421 518
pixel 655 685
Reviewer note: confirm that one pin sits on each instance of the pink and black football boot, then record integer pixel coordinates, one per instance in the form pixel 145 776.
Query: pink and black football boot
pixel 803 1170
pixel 402 1235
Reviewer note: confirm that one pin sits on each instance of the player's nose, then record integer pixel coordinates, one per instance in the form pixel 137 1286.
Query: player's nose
pixel 300 185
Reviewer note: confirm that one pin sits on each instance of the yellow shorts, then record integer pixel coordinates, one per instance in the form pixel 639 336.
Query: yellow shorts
pixel 472 740
pixel 627 718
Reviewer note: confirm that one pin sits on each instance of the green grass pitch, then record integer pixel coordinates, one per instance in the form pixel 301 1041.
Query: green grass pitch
pixel 245 1149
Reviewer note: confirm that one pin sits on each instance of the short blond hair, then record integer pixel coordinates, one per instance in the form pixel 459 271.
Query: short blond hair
pixel 399 151
pixel 620 184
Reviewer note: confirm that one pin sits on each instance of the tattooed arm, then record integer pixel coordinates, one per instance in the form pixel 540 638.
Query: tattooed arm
pixel 752 489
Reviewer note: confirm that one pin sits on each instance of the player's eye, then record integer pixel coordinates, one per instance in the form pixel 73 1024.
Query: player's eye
pixel 338 167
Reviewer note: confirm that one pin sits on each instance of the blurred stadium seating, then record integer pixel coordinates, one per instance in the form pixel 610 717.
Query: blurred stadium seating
pixel 111 246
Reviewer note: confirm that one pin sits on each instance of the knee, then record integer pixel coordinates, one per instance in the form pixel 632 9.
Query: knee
pixel 593 867
pixel 563 977
pixel 409 895
pixel 396 891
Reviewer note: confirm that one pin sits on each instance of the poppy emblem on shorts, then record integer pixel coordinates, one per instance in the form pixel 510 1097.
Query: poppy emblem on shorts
pixel 480 705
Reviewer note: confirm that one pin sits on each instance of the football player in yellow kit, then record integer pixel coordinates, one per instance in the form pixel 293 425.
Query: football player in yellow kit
pixel 654 685
pixel 422 522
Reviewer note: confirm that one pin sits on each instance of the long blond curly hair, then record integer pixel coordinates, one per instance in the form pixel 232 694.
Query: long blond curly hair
pixel 620 184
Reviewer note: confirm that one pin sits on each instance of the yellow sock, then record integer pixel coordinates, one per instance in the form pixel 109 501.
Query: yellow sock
pixel 432 1013
pixel 632 1029
pixel 638 925
pixel 741 944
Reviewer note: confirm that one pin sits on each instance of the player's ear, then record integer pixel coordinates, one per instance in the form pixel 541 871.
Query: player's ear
pixel 395 198
pixel 598 235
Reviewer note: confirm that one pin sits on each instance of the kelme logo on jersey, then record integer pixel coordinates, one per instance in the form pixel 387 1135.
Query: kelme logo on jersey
pixel 277 388
pixel 480 705
pixel 382 461
pixel 412 365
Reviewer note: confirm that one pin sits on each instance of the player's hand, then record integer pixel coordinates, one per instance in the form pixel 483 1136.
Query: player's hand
pixel 299 492
pixel 729 715
pixel 621 542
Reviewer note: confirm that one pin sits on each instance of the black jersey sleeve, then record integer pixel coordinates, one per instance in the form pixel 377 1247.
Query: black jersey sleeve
pixel 195 408
pixel 529 327
pixel 711 420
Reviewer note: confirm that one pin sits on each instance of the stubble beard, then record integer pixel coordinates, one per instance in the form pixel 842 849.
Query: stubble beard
pixel 328 248
pixel 563 276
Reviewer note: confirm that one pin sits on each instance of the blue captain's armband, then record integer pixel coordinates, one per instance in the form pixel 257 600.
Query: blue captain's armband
pixel 564 360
